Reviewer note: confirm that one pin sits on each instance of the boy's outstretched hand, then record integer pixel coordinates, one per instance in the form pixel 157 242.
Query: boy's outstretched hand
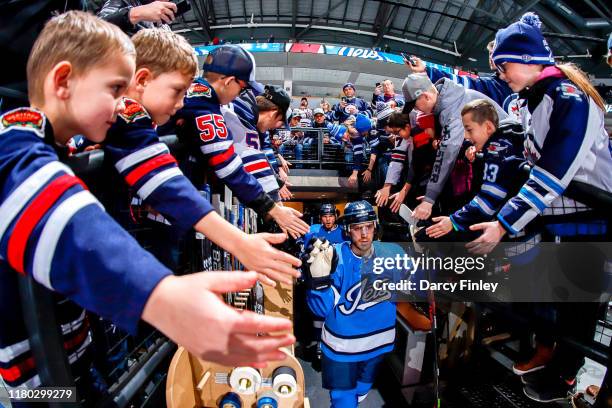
pixel 442 226
pixel 189 310
pixel 289 220
pixel 256 253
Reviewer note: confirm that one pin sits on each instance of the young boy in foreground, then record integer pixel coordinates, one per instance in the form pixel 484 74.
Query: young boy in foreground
pixel 501 145
pixel 54 230
pixel 165 67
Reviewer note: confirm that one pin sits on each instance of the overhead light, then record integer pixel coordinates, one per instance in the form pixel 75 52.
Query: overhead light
pixel 472 59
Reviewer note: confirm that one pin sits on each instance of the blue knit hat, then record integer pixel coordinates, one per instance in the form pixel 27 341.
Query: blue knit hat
pixel 336 131
pixel 522 42
pixel 348 85
pixel 362 123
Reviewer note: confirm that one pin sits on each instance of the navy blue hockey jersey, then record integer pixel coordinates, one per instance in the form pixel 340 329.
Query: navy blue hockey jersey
pixel 150 170
pixel 340 114
pixel 54 230
pixel 492 86
pixel 204 130
pixel 502 176
pixel 566 140
pixel 355 329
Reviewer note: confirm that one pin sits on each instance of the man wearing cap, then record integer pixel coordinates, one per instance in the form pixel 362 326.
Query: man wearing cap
pixel 350 104
pixel 445 100
pixel 320 121
pixel 228 71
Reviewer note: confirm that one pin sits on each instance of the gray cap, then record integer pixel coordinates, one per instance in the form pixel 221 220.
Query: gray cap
pixel 318 111
pixel 414 85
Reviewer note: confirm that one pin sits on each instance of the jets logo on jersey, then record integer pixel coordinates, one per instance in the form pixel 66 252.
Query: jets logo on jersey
pixel 532 153
pixel 495 148
pixel 356 300
pixel 513 106
pixel 197 89
pixel 133 111
pixel 25 118
pixel 569 91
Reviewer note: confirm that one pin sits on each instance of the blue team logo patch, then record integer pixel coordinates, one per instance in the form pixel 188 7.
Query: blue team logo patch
pixel 569 91
pixel 133 111
pixel 25 118
pixel 197 89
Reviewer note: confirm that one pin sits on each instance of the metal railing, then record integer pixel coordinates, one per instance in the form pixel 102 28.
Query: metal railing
pixel 313 148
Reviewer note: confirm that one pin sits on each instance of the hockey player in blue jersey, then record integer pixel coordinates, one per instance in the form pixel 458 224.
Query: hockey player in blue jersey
pixel 229 70
pixel 501 147
pixel 566 141
pixel 328 228
pixel 356 334
pixel 350 104
pixel 56 232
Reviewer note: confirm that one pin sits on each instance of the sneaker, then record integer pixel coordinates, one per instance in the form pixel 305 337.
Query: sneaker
pixel 549 388
pixel 542 356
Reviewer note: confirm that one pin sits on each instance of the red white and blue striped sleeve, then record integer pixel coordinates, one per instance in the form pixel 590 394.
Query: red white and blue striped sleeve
pixel 53 229
pixel 151 171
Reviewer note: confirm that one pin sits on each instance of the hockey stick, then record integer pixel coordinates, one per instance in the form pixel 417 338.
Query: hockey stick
pixel 434 330
pixel 407 215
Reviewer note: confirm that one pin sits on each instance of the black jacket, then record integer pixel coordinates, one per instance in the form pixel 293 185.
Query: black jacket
pixel 117 12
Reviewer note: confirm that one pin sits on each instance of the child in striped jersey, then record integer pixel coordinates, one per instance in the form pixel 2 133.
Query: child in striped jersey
pixel 53 230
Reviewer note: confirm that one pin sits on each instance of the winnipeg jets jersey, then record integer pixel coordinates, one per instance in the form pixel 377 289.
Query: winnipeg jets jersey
pixel 503 175
pixel 566 140
pixel 355 328
pixel 335 235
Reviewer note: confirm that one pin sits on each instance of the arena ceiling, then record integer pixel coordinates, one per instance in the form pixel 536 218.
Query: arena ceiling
pixel 448 31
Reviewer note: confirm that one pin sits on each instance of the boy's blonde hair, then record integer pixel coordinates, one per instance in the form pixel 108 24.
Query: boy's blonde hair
pixel 481 110
pixel 163 51
pixel 77 37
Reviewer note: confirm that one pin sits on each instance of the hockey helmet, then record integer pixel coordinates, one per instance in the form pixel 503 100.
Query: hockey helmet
pixel 358 212
pixel 328 209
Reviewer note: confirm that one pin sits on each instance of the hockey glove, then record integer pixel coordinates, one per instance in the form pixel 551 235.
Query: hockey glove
pixel 319 263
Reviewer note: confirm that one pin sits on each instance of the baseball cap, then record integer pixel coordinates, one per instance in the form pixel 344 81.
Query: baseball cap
pixel 317 111
pixel 232 60
pixel 278 96
pixel 414 85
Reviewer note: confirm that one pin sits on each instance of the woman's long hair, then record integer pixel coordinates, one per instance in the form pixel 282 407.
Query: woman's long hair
pixel 578 77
